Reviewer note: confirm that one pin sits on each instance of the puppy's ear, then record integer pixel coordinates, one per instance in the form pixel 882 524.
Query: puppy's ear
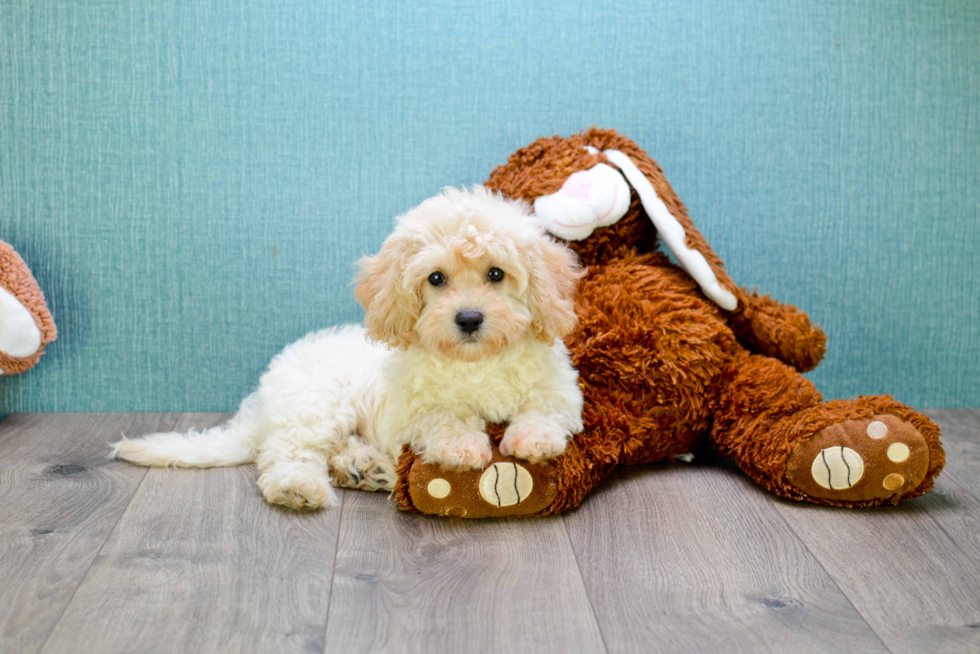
pixel 390 306
pixel 553 274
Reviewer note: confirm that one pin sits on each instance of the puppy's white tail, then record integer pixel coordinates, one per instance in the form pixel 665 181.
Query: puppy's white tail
pixel 230 444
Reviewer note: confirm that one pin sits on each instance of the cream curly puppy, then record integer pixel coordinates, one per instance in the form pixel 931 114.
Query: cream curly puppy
pixel 465 306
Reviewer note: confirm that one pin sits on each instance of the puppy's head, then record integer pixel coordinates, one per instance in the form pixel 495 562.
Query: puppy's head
pixel 465 274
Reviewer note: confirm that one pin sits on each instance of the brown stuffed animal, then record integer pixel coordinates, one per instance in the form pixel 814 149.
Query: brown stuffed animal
pixel 674 358
pixel 25 322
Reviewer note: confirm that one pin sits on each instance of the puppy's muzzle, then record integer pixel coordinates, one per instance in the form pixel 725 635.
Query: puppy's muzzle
pixel 469 321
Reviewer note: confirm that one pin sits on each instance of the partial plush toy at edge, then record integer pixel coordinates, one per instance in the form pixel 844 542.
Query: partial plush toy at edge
pixel 26 326
pixel 676 358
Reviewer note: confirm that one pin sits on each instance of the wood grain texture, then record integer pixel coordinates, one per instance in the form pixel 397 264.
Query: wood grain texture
pixel 961 440
pixel 99 556
pixel 201 563
pixel 913 571
pixel 695 559
pixel 410 583
pixel 60 498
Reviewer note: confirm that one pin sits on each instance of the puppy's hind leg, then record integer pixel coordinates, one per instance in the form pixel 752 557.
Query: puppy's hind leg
pixel 294 477
pixel 362 465
pixel 293 460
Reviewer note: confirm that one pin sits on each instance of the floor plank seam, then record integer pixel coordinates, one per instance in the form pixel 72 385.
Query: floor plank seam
pixel 581 576
pixel 81 582
pixel 951 477
pixel 950 480
pixel 916 608
pixel 816 558
pixel 333 570
pixel 91 564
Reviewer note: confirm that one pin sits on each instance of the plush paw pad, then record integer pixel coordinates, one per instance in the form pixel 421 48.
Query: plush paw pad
pixel 506 484
pixel 837 468
pixel 860 460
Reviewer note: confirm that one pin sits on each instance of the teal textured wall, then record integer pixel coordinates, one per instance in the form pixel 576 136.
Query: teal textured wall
pixel 191 182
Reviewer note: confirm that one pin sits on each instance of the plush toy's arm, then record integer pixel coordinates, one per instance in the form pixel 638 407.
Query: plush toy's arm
pixel 762 324
pixel 26 325
pixel 781 331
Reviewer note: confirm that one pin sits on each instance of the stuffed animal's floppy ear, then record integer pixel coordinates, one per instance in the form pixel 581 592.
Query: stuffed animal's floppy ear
pixel 391 308
pixel 553 274
pixel 675 227
pixel 26 325
pixel 596 196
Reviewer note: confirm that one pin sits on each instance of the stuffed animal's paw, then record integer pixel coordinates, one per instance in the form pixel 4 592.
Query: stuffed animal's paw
pixel 507 487
pixel 859 460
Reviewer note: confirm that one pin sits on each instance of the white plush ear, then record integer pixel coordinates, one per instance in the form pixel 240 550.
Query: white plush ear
pixel 588 199
pixel 672 232
pixel 19 334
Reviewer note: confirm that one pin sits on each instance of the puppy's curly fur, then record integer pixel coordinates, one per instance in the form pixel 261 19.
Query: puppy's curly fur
pixel 465 306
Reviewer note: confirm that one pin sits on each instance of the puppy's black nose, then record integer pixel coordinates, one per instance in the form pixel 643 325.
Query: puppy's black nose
pixel 469 321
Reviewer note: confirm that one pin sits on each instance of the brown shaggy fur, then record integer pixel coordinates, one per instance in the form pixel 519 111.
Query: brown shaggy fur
pixel 17 280
pixel 665 371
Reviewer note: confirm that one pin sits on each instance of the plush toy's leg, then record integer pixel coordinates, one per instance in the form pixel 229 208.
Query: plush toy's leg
pixel 863 452
pixel 510 486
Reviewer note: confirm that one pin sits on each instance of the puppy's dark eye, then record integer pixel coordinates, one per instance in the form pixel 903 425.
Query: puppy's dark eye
pixel 495 275
pixel 437 279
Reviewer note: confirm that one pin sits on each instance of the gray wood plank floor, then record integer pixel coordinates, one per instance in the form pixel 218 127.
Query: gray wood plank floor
pixel 101 556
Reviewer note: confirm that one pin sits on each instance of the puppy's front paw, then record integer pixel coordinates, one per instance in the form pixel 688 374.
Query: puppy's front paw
pixel 534 439
pixel 463 452
pixel 298 485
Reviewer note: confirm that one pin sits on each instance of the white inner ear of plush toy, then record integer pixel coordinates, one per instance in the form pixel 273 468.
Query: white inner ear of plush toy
pixel 588 199
pixel 19 335
pixel 673 234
